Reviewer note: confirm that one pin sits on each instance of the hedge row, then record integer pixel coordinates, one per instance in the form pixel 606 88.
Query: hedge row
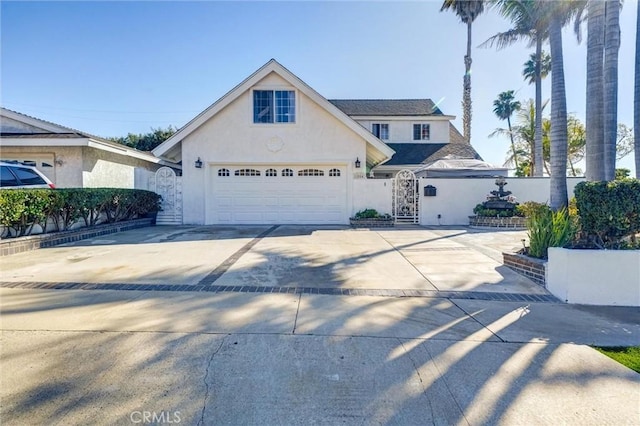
pixel 609 212
pixel 21 209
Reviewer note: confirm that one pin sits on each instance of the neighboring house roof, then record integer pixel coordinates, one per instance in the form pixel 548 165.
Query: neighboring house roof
pixel 389 107
pixel 377 151
pixel 46 133
pixel 412 153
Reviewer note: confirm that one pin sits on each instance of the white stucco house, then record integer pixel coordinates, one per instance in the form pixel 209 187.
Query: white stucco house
pixel 74 159
pixel 273 150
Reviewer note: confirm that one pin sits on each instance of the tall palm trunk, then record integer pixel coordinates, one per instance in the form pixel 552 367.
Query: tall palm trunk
pixel 595 88
pixel 636 98
pixel 466 94
pixel 611 48
pixel 513 144
pixel 558 182
pixel 538 158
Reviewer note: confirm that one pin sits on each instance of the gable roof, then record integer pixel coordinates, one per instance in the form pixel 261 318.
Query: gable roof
pixel 48 133
pixel 389 107
pixel 379 153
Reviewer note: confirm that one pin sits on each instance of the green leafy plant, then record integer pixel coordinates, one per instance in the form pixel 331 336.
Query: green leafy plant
pixel 547 228
pixel 21 209
pixel 531 208
pixel 371 214
pixel 609 213
pixel 481 211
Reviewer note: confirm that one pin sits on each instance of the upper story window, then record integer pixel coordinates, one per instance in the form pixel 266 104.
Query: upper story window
pixel 274 106
pixel 380 130
pixel 421 132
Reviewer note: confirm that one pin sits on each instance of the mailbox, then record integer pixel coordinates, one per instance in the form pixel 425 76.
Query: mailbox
pixel 429 191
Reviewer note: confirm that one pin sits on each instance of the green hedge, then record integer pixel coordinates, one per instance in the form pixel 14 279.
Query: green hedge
pixel 609 212
pixel 21 209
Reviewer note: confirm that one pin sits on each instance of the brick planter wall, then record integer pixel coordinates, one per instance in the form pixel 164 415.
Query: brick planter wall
pixel 372 223
pixel 530 267
pixel 10 246
pixel 498 222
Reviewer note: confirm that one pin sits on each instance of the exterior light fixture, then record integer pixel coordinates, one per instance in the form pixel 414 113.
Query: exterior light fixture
pixel 198 163
pixel 357 163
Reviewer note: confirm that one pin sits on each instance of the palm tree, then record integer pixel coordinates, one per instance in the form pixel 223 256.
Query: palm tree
pixel 529 70
pixel 504 107
pixel 611 48
pixel 467 11
pixel 530 22
pixel 558 197
pixel 595 95
pixel 636 98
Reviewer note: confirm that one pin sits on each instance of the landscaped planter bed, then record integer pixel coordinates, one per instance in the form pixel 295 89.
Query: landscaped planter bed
pixel 530 267
pixel 33 242
pixel 372 222
pixel 514 222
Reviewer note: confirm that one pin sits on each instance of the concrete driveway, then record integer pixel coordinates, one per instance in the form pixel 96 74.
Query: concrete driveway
pixel 237 356
pixel 285 256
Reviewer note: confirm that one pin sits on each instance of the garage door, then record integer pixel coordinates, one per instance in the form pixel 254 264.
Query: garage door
pixel 248 194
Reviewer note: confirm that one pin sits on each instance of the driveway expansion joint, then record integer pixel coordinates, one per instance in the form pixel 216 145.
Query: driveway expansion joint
pixel 329 291
pixel 215 275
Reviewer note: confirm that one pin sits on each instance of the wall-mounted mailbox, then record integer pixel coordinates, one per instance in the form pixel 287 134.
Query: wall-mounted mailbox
pixel 429 191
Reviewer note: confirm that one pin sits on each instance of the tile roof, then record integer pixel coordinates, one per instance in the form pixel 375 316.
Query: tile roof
pixel 391 107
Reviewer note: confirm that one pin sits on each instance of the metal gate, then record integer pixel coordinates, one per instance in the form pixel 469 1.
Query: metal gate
pixel 405 197
pixel 169 186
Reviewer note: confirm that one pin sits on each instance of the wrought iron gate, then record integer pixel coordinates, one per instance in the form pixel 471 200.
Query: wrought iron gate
pixel 166 183
pixel 405 197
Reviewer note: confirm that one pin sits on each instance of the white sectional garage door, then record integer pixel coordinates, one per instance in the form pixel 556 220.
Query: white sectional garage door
pixel 250 194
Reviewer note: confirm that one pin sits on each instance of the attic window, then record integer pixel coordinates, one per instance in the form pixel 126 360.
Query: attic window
pixel 274 106
pixel 421 132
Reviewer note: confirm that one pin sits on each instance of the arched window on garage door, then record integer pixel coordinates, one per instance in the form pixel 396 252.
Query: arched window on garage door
pixel 311 172
pixel 334 172
pixel 247 172
pixel 223 172
pixel 271 172
pixel 287 172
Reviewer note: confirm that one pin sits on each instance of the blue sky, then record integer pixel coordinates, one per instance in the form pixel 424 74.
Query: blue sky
pixel 110 68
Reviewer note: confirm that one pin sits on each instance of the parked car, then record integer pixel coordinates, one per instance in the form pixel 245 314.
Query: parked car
pixel 17 175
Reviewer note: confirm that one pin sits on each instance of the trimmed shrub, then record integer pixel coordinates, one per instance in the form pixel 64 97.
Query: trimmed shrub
pixel 531 208
pixel 609 212
pixel 20 209
pixel 370 214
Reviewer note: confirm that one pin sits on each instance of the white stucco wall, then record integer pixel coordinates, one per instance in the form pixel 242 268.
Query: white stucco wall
pixel 67 171
pixel 401 129
pixel 232 137
pixel 456 198
pixel 595 277
pixel 102 169
pixel 372 194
